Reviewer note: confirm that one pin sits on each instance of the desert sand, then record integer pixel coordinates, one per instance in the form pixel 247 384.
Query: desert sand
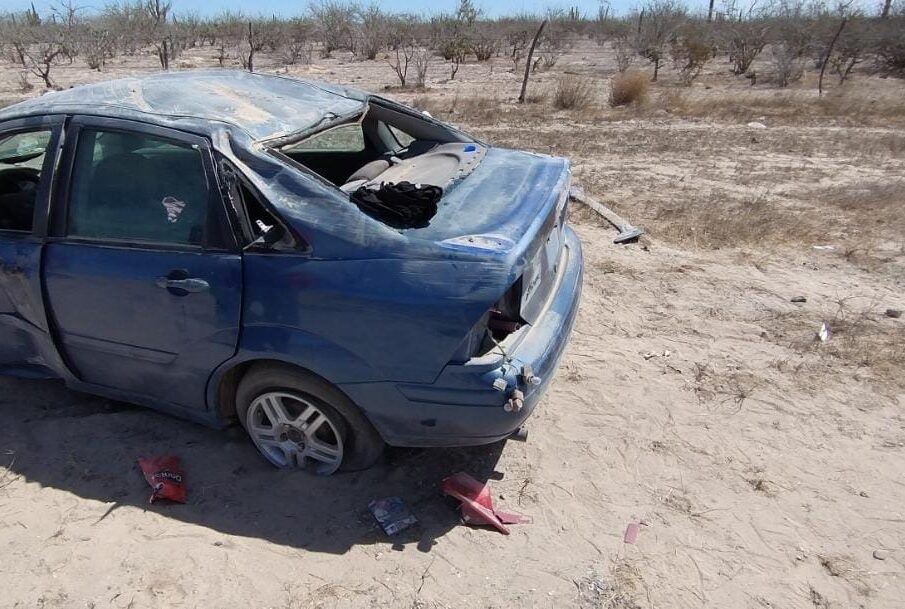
pixel 765 466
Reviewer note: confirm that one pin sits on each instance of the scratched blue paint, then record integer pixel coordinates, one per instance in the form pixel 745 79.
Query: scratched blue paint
pixel 381 313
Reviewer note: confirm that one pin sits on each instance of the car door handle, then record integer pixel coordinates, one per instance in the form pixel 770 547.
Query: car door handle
pixel 190 284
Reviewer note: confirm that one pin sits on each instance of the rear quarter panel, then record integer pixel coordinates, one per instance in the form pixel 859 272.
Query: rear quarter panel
pixel 383 319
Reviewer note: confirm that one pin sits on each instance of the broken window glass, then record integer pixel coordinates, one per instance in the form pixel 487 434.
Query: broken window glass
pixel 21 160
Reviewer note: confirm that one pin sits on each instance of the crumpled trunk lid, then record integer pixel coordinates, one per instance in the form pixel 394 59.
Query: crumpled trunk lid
pixel 514 203
pixel 502 196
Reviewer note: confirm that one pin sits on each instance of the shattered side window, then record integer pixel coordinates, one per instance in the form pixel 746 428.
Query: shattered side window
pixel 21 161
pixel 402 138
pixel 133 187
pixel 346 138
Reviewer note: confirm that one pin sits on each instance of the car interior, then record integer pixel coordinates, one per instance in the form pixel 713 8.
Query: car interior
pixel 21 159
pixel 382 146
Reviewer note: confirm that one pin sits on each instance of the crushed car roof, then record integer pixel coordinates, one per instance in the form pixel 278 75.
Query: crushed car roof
pixel 264 106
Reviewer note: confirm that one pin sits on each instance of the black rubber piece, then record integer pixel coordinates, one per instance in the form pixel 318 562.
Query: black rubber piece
pixel 520 434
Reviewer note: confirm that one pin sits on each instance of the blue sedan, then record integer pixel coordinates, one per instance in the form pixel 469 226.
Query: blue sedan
pixel 229 246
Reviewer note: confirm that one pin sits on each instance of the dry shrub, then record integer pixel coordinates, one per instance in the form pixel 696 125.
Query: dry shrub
pixel 864 341
pixel 866 223
pixel 870 221
pixel 718 221
pixel 536 98
pixel 572 93
pixel 628 88
pixel 856 107
pixel 872 205
pixel 24 85
pixel 865 337
pixel 469 109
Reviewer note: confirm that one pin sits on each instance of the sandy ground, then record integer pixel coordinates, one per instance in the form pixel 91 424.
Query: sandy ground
pixel 765 466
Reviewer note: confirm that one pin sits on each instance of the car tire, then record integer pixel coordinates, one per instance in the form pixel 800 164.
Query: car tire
pixel 359 443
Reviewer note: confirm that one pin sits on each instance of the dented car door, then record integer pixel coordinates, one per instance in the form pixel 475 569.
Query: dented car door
pixel 143 276
pixel 27 157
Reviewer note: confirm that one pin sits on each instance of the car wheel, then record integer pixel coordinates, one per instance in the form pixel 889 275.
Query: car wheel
pixel 298 420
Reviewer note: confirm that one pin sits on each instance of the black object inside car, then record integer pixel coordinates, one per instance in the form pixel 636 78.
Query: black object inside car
pixel 18 188
pixel 402 205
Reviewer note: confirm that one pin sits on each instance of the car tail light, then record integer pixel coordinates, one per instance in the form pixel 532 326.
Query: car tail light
pixel 500 320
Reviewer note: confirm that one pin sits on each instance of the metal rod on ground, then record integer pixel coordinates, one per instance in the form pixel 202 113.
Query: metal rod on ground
pixel 627 232
pixel 521 97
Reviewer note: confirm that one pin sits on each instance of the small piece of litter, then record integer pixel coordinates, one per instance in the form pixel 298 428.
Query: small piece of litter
pixel 824 247
pixel 799 299
pixel 881 554
pixel 894 313
pixel 631 532
pixel 824 334
pixel 653 354
pixel 477 503
pixel 392 514
pixel 756 125
pixel 165 476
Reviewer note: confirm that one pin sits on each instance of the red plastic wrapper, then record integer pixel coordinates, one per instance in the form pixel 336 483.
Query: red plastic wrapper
pixel 165 476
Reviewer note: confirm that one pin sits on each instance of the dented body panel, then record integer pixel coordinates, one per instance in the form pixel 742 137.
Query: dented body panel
pixel 381 313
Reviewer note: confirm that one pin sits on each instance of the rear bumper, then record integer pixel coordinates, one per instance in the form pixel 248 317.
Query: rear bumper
pixel 461 407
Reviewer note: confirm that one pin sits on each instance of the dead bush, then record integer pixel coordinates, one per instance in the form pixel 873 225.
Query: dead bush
pixel 484 43
pixel 294 52
pixel 889 45
pixel 718 221
pixel 624 50
pixel 691 50
pixel 471 110
pixel 863 341
pixel 421 61
pixel 788 64
pixel 661 20
pixel 333 21
pixel 744 40
pixel 627 88
pixel 572 93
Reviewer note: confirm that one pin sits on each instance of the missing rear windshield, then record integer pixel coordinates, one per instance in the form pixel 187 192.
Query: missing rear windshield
pixel 393 163
pixel 362 149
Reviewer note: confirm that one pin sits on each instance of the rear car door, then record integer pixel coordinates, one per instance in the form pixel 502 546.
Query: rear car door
pixel 28 154
pixel 142 273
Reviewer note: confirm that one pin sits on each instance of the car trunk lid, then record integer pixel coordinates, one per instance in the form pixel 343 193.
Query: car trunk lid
pixel 514 203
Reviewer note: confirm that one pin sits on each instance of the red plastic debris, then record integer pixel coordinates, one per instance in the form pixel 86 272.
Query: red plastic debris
pixel 631 532
pixel 477 504
pixel 165 476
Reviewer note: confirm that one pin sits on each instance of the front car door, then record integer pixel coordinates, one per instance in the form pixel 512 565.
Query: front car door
pixel 28 154
pixel 142 273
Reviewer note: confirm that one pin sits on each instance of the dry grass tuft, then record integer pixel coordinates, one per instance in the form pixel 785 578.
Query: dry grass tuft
pixel 473 110
pixel 572 93
pixel 866 223
pixel 864 337
pixel 845 568
pixel 628 88
pixel 793 107
pixel 864 341
pixel 715 223
pixel 870 221
pixel 614 592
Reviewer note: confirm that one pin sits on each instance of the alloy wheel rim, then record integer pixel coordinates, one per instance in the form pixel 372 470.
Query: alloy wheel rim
pixel 292 432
